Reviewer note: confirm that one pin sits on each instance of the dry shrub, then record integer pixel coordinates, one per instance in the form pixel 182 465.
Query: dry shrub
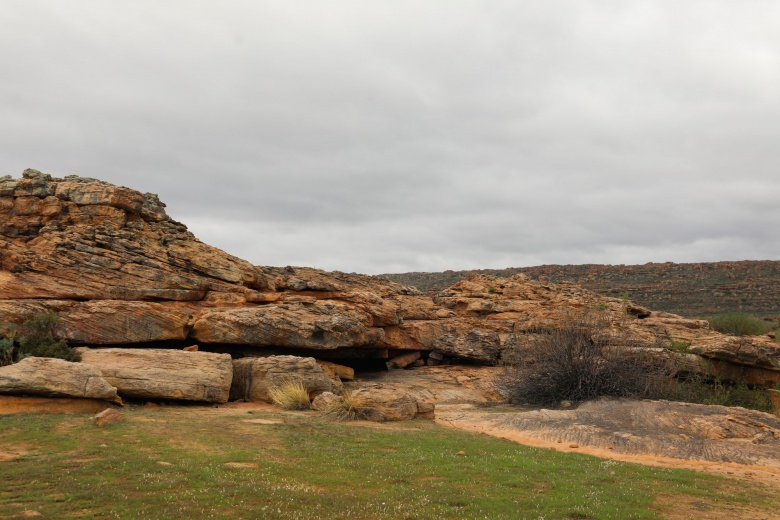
pixel 290 395
pixel 344 409
pixel 583 358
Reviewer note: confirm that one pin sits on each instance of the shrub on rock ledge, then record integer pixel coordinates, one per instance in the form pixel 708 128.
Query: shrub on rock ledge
pixel 35 339
pixel 583 358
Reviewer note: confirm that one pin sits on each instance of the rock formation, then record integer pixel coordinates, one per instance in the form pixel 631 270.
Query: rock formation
pixel 119 272
pixel 49 377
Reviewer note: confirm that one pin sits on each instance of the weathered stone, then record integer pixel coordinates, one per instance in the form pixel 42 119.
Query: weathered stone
pixel 403 360
pixel 254 377
pixel 51 377
pixel 326 400
pixel 162 373
pixel 381 404
pixel 744 350
pixel 108 417
pixel 476 345
pixel 316 325
pixel 334 370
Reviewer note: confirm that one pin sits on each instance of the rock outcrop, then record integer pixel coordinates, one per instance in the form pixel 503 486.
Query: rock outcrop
pixel 48 377
pixel 116 270
pixel 163 373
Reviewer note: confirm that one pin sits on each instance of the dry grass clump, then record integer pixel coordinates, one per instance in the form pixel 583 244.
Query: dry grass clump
pixel 344 408
pixel 290 395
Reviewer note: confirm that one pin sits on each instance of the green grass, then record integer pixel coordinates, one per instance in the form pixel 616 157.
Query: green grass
pixel 308 468
pixel 739 324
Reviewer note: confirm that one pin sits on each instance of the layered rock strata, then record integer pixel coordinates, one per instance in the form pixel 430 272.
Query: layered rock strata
pixel 117 271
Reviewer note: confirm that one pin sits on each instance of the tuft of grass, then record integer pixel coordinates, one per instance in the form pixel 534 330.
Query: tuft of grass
pixel 291 395
pixel 680 347
pixel 344 409
pixel 739 324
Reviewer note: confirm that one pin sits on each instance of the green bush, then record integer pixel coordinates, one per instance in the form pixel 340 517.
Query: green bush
pixel 36 338
pixel 708 390
pixel 739 324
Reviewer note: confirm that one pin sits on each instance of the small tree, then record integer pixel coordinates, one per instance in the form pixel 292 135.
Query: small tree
pixel 37 339
pixel 581 359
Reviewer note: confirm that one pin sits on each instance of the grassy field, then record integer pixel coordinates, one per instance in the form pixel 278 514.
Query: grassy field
pixel 200 462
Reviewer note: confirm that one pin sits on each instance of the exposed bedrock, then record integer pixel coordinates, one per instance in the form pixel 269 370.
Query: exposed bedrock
pixel 118 271
pixel 48 377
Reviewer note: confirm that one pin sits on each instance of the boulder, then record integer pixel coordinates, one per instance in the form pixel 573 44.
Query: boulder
pixel 326 400
pixel 49 377
pixel 162 373
pixel 384 404
pixel 253 377
pixel 479 345
pixel 108 417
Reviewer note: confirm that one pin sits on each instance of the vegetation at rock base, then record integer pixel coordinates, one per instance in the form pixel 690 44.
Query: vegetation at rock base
pixel 34 338
pixel 163 464
pixel 582 359
pixel 344 409
pixel 290 395
pixel 712 390
pixel 739 324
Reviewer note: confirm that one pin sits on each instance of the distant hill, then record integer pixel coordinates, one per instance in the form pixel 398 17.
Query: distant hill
pixel 691 290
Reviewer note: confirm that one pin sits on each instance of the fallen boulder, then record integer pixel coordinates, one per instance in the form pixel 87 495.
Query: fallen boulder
pixel 253 377
pixel 49 377
pixel 384 404
pixel 163 374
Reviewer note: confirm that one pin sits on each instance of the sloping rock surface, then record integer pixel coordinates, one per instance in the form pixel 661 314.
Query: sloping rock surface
pixel 668 429
pixel 48 377
pixel 162 373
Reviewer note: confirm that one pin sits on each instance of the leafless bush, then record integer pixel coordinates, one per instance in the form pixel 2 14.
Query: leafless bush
pixel 581 359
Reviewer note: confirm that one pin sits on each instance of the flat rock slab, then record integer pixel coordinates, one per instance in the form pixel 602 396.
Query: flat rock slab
pixel 638 428
pixel 15 405
pixel 163 374
pixel 50 377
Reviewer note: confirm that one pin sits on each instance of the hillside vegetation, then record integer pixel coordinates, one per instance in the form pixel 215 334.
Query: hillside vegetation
pixel 691 290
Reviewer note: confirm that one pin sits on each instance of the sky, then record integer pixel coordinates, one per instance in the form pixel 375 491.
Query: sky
pixel 381 137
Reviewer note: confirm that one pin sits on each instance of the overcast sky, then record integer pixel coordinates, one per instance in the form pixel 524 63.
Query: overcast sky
pixel 398 136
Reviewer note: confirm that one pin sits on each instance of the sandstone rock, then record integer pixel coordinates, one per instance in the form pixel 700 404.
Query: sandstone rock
pixel 476 345
pixel 316 325
pixel 51 377
pixel 108 417
pixel 163 374
pixel 403 360
pixel 254 377
pixel 326 400
pixel 381 404
pixel 743 350
pixel 334 370
pixel 79 238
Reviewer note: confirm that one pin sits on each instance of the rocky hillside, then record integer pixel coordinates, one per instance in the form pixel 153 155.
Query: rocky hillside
pixel 118 272
pixel 692 290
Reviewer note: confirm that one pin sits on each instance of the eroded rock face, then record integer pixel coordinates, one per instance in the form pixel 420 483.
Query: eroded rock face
pixel 118 271
pixel 253 378
pixel 78 238
pixel 48 377
pixel 162 373
pixel 310 324
pixel 384 404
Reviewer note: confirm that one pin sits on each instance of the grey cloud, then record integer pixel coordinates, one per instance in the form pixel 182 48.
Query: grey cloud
pixel 413 135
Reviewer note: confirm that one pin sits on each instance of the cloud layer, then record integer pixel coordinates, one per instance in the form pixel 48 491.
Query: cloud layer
pixel 397 136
